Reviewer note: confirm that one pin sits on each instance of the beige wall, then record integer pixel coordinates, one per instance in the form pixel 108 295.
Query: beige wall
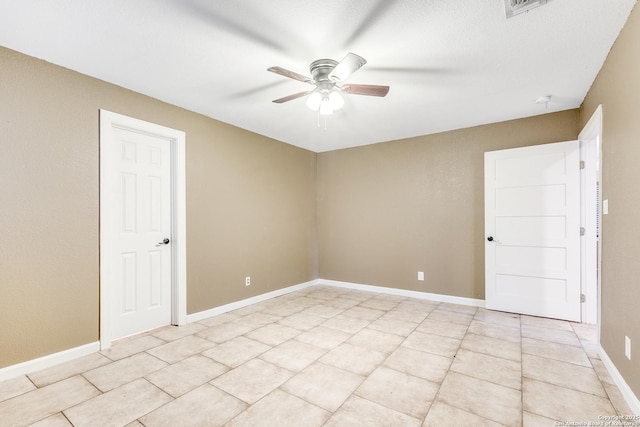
pixel 251 206
pixel 617 88
pixel 387 211
pixel 383 211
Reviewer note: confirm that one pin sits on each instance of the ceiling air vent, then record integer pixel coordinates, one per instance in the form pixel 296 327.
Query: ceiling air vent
pixel 515 7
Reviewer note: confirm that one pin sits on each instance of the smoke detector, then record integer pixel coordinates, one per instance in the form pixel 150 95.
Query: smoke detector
pixel 514 7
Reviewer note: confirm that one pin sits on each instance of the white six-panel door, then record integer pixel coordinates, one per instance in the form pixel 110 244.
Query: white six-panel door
pixel 532 230
pixel 142 203
pixel 143 282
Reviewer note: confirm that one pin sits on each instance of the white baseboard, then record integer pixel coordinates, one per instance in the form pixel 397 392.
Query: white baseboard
pixel 627 393
pixel 84 350
pixel 249 301
pixel 405 293
pixel 48 361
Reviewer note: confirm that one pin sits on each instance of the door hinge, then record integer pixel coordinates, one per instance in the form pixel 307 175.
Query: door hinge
pixel 582 231
pixel 581 164
pixel 582 298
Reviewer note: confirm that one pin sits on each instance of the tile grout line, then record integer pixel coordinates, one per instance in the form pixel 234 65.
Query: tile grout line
pixel 600 379
pixel 327 352
pixel 300 332
pixel 31 381
pixel 468 376
pixel 65 417
pixel 159 389
pixel 562 386
pixel 398 346
pixel 435 397
pixel 378 366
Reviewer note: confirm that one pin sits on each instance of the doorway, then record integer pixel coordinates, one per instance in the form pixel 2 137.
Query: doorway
pixel 536 283
pixel 142 227
pixel 591 177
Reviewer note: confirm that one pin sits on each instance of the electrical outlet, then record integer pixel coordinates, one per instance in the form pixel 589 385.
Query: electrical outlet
pixel 421 275
pixel 247 281
pixel 627 347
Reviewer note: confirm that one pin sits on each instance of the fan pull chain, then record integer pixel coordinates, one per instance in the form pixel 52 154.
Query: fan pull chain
pixel 318 121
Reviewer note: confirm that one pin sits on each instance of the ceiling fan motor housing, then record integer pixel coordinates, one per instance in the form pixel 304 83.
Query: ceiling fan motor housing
pixel 321 68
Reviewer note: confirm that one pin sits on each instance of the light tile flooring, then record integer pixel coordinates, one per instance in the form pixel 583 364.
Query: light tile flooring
pixel 334 357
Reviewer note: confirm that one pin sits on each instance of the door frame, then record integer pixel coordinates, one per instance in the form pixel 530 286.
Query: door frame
pixel 591 153
pixel 108 121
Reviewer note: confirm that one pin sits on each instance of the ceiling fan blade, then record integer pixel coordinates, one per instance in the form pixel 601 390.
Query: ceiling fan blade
pixel 370 90
pixel 292 97
pixel 378 11
pixel 290 74
pixel 211 14
pixel 349 65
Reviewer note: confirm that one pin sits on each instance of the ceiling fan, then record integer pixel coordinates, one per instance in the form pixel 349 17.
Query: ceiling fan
pixel 327 77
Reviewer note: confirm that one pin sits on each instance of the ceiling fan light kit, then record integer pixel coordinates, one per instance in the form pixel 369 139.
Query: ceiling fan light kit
pixel 336 101
pixel 314 100
pixel 325 99
pixel 325 108
pixel 326 76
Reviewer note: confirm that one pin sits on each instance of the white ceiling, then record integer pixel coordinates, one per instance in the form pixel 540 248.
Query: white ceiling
pixel 450 63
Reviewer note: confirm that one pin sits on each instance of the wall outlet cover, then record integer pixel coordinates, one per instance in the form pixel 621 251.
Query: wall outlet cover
pixel 627 347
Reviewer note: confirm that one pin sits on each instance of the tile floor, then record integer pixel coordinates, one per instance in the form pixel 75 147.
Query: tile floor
pixel 334 357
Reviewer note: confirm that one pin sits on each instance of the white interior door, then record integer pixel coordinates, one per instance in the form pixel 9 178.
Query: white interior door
pixel 141 297
pixel 142 202
pixel 532 226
